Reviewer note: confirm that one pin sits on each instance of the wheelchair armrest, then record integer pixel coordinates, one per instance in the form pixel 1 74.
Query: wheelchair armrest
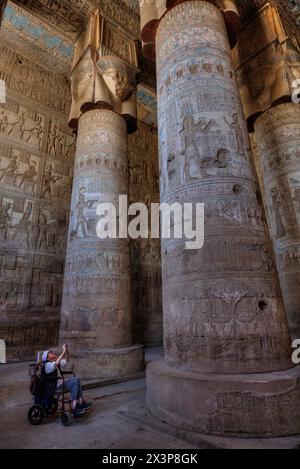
pixel 67 373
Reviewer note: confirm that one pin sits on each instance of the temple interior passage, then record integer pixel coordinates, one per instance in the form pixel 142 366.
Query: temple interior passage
pixel 112 111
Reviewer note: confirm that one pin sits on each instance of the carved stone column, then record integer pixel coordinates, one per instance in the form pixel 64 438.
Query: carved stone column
pixel 278 141
pixel 96 310
pixel 224 320
pixel 269 73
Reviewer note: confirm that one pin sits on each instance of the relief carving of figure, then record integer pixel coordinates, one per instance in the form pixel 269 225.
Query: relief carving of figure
pixel 114 319
pixel 36 132
pixel 54 138
pixel 62 234
pixel 23 227
pixel 67 188
pixel 235 126
pixel 42 236
pixel 276 207
pixel 11 169
pixel 222 158
pixel 193 169
pixel 82 221
pixel 3 122
pixel 50 180
pixel 5 217
pixel 70 148
pixel 297 197
pixel 7 291
pixel 19 125
pixel 29 175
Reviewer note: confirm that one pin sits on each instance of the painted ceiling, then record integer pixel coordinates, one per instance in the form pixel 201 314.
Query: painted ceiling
pixel 45 31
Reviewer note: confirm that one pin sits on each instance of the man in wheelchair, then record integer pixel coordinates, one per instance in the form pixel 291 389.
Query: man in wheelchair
pixel 52 365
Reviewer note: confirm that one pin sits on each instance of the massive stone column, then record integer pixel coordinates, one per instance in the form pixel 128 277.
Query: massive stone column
pixel 227 348
pixel 96 310
pixel 268 74
pixel 278 141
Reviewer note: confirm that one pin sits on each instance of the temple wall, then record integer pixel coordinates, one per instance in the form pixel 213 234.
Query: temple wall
pixel 36 170
pixel 36 164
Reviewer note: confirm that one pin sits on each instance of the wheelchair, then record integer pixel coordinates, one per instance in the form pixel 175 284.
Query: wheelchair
pixel 47 400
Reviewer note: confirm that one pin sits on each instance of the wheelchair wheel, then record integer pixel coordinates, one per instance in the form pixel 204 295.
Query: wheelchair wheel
pixel 66 419
pixel 36 414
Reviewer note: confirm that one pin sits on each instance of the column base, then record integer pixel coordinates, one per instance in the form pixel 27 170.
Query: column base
pixel 106 364
pixel 242 405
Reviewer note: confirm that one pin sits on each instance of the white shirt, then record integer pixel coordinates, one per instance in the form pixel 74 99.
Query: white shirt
pixel 51 366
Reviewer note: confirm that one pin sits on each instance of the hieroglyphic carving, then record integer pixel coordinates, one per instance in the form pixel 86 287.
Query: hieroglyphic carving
pixel 204 149
pixel 96 309
pixel 67 16
pixel 277 135
pixel 36 159
pixel 222 305
pixel 145 253
pixel 97 268
pixel 119 12
pixel 205 141
pixel 19 125
pixel 28 35
pixel 152 11
pixel 25 333
pixel 27 79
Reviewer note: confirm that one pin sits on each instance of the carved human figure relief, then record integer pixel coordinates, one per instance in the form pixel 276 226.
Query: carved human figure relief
pixel 35 134
pixel 3 121
pixel 21 229
pixel 54 138
pixel 242 146
pixel 294 186
pixel 5 217
pixel 190 134
pixel 276 208
pixel 29 175
pixel 18 126
pixel 50 182
pixel 81 228
pixel 10 171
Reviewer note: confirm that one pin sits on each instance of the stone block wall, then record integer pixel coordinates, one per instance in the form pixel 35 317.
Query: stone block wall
pixel 36 169
pixel 36 165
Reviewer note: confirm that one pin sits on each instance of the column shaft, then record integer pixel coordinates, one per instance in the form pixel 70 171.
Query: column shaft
pixel 96 313
pixel 278 141
pixel 224 324
pixel 223 309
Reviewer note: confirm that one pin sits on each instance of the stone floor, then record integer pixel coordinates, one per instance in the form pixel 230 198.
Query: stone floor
pixel 118 420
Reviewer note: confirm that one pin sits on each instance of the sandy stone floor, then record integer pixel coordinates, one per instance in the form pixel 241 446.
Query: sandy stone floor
pixel 118 420
pixel 106 426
